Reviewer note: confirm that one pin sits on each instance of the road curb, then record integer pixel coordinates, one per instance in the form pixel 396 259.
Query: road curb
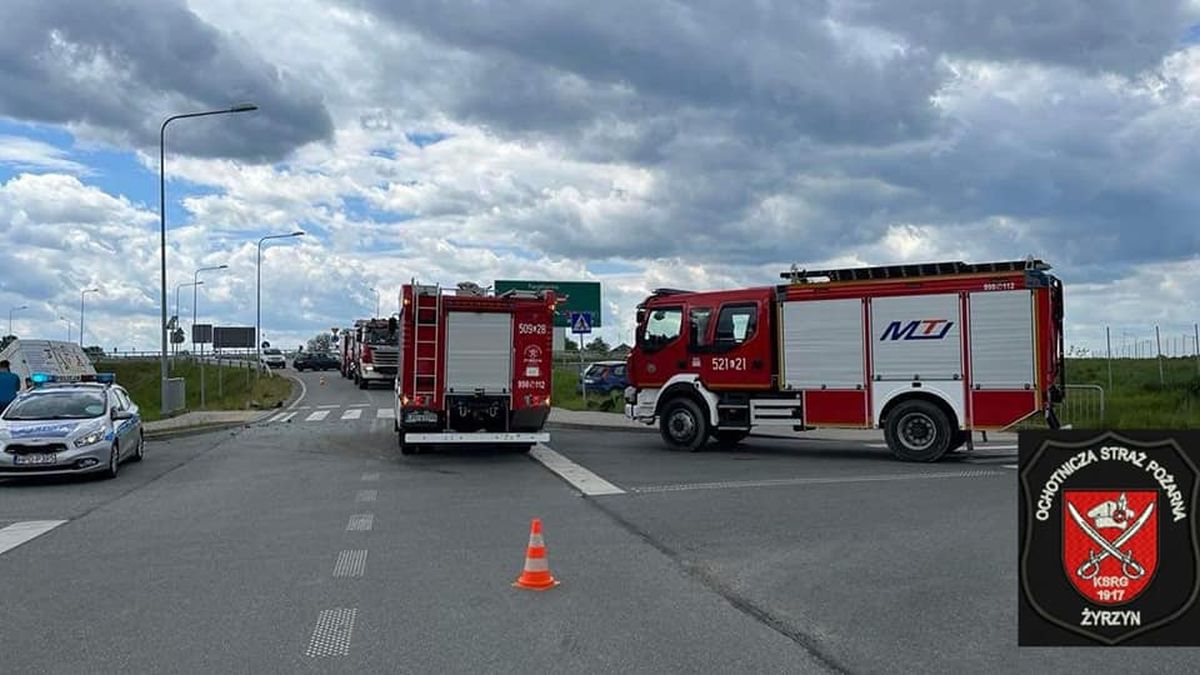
pixel 195 429
pixel 604 427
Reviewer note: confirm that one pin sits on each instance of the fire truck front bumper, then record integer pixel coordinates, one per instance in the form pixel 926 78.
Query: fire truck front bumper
pixel 640 405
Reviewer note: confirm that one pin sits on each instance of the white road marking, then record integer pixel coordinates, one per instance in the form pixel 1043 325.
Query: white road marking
pixel 18 533
pixel 585 481
pixel 317 416
pixel 304 407
pixel 385 414
pixel 1010 466
pixel 328 407
pixel 726 485
pixel 350 564
pixel 283 417
pixel 370 476
pixel 352 414
pixel 366 495
pixel 362 522
pixel 332 635
pixel 359 405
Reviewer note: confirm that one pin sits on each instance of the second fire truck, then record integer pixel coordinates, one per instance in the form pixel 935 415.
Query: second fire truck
pixel 928 353
pixel 474 367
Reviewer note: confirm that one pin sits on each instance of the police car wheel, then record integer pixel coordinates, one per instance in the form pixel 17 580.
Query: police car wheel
pixel 918 431
pixel 139 452
pixel 114 462
pixel 683 426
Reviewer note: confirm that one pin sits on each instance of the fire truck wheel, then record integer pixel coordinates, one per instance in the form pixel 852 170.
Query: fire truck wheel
pixel 918 431
pixel 959 440
pixel 683 425
pixel 406 448
pixel 363 383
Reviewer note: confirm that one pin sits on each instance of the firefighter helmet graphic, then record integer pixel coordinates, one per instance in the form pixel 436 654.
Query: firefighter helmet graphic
pixel 1110 569
pixel 1109 547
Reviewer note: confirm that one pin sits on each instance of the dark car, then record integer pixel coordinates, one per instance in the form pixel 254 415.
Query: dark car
pixel 604 377
pixel 315 361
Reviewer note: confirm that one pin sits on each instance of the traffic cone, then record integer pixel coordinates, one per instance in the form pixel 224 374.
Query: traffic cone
pixel 536 575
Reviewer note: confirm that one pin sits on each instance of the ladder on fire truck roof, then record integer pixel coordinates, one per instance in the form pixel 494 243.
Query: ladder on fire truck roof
pixel 912 271
pixel 421 332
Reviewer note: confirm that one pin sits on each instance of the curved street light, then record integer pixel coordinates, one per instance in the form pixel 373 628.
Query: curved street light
pixel 10 315
pixel 162 214
pixel 258 293
pixel 82 295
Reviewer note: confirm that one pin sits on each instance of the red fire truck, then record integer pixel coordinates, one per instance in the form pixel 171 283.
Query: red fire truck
pixel 474 367
pixel 926 352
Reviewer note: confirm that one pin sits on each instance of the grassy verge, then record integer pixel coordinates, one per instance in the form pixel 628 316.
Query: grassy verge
pixel 1137 399
pixel 566 395
pixel 226 388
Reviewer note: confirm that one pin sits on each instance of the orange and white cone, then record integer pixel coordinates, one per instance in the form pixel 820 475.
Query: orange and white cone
pixel 536 575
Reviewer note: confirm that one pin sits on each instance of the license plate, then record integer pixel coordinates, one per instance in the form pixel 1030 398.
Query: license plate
pixel 420 416
pixel 35 459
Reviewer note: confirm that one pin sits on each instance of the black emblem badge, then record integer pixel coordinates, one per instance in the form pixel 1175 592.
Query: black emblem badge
pixel 1109 548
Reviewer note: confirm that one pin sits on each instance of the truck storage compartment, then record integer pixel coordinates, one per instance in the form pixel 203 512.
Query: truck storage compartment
pixel 478 353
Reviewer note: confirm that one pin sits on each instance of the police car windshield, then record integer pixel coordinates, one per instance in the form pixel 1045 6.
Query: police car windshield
pixel 272 352
pixel 57 405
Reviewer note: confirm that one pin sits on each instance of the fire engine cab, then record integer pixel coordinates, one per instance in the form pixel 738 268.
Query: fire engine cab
pixel 926 352
pixel 474 367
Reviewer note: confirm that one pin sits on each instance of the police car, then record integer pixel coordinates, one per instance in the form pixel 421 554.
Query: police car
pixel 59 428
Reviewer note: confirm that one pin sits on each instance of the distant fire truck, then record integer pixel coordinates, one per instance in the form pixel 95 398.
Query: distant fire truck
pixel 928 352
pixel 474 367
pixel 374 351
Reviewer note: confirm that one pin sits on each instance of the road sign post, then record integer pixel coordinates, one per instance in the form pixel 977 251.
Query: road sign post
pixel 581 324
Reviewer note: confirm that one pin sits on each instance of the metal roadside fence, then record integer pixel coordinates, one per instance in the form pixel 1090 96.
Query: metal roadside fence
pixel 1083 406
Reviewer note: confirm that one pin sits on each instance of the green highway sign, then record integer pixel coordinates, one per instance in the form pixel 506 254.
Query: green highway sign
pixel 582 296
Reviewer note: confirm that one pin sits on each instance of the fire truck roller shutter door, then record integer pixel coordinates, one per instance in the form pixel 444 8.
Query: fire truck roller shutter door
pixel 823 344
pixel 917 349
pixel 479 352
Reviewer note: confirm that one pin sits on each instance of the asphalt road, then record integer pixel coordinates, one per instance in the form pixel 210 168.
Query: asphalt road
pixel 308 544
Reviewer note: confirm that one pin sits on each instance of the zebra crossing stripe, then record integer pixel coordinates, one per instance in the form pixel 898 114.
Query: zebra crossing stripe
pixel 352 414
pixel 317 416
pixel 385 414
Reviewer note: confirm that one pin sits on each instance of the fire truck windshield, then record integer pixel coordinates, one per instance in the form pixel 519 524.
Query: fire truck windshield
pixel 662 326
pixel 378 336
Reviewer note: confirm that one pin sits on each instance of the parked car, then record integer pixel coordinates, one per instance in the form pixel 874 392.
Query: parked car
pixel 603 377
pixel 66 428
pixel 315 361
pixel 273 358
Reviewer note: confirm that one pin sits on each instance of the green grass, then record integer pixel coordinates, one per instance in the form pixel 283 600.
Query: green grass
pixel 226 388
pixel 564 394
pixel 1136 399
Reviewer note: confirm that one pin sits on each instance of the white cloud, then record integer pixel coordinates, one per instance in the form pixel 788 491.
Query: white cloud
pixel 21 153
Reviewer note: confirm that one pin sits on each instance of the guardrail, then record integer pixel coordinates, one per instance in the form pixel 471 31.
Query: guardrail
pixel 1083 405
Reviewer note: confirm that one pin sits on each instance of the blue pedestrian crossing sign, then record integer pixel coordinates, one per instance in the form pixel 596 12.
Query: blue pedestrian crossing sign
pixel 581 322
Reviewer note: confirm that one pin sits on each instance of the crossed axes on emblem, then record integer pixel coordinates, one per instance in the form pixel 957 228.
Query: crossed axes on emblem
pixel 1129 567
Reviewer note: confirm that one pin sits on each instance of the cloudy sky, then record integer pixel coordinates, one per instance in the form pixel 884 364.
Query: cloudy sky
pixel 700 145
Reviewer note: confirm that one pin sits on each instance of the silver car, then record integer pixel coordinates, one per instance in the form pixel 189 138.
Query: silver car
pixel 56 429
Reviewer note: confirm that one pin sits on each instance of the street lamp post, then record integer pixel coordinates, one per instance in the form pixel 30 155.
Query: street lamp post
pixel 162 213
pixel 68 322
pixel 258 294
pixel 376 302
pixel 177 321
pixel 10 315
pixel 83 294
pixel 196 282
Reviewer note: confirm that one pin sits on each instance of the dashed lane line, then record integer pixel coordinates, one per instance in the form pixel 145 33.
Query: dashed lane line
pixel 359 405
pixel 18 533
pixel 366 496
pixel 361 522
pixel 350 564
pixel 582 479
pixel 370 476
pixel 776 482
pixel 352 414
pixel 317 416
pixel 328 407
pixel 331 637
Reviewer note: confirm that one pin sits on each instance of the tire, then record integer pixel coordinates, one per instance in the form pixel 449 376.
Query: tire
pixel 729 438
pixel 139 452
pixel 683 425
pixel 918 431
pixel 520 448
pixel 114 463
pixel 406 448
pixel 958 440
pixel 363 384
